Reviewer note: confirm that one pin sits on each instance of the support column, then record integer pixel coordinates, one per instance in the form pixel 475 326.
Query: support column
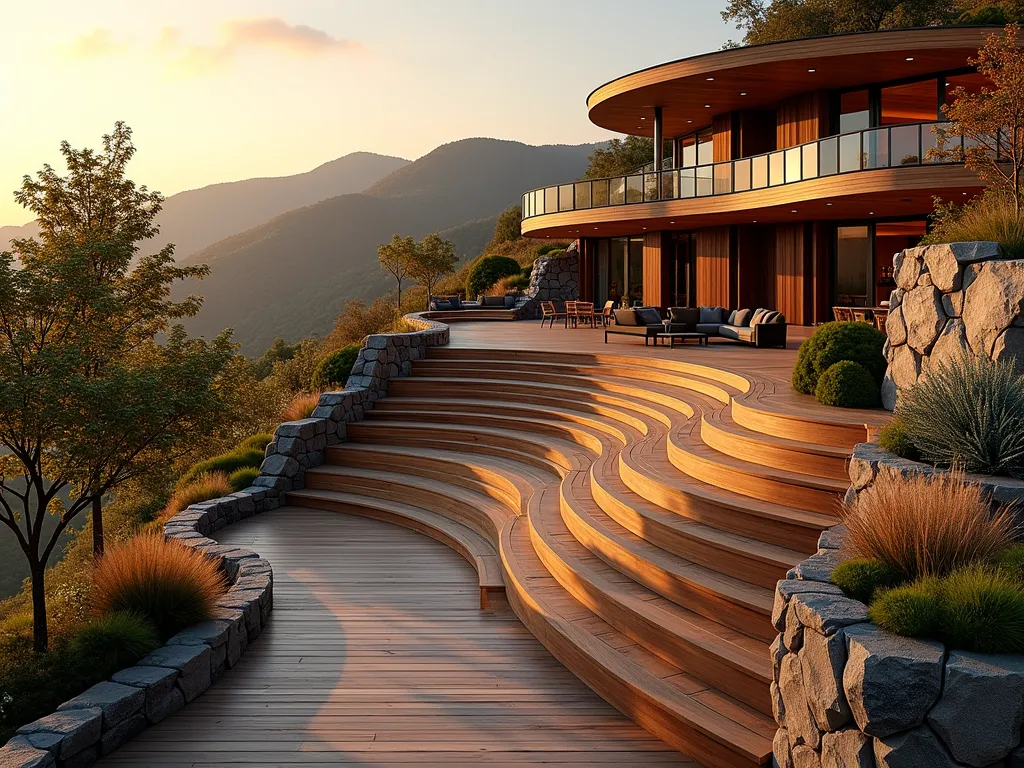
pixel 659 148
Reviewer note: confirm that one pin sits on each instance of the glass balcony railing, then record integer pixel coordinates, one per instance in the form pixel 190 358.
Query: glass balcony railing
pixel 889 147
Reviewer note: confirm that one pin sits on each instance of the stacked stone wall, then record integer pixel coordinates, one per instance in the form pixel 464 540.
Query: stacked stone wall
pixel 847 694
pixel 951 299
pixel 552 279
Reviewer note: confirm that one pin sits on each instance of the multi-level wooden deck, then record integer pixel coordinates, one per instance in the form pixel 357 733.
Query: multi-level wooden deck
pixel 635 504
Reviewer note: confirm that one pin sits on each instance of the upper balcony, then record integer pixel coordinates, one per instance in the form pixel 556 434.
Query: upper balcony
pixel 894 169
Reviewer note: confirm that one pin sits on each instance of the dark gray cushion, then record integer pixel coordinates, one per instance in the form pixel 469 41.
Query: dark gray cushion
pixel 492 301
pixel 625 317
pixel 728 331
pixel 647 316
pixel 455 301
pixel 779 319
pixel 711 329
pixel 742 318
pixel 710 315
pixel 510 302
pixel 732 318
pixel 684 315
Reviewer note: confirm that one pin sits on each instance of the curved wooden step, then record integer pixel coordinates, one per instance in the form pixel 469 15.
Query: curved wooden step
pixel 477 550
pixel 683 711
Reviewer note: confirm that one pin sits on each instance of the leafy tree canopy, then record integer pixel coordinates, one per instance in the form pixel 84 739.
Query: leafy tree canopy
pixel 621 156
pixel 508 229
pixel 768 21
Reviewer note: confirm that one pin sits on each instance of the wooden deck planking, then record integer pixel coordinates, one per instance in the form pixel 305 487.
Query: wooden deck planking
pixel 377 654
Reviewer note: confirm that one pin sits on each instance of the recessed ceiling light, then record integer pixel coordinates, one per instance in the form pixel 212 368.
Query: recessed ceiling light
pixel 671 222
pixel 689 121
pixel 910 58
pixel 871 213
pixel 743 93
pixel 595 227
pixel 828 203
pixel 755 221
pixel 643 118
pixel 812 69
pixel 707 106
pixel 793 211
pixel 645 227
pixel 709 79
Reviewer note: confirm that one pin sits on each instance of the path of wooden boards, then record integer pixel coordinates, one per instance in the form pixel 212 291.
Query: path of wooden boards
pixel 377 655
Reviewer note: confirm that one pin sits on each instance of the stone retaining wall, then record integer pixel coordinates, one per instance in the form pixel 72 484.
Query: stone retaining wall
pixel 847 694
pixel 552 279
pixel 112 712
pixel 949 299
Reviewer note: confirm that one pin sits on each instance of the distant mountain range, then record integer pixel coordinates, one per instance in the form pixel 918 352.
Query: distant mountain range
pixel 291 276
pixel 197 218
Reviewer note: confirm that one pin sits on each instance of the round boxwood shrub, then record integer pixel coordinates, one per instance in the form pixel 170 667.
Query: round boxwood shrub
pixel 487 271
pixel 894 439
pixel 242 478
pixel 862 577
pixel 334 369
pixel 847 384
pixel 913 610
pixel 982 611
pixel 832 342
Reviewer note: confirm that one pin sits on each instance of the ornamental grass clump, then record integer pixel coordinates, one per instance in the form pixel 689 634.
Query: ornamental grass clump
pixel 982 611
pixel 968 413
pixel 301 406
pixel 242 478
pixel 114 641
pixel 205 486
pixel 862 577
pixel 926 525
pixel 911 610
pixel 164 581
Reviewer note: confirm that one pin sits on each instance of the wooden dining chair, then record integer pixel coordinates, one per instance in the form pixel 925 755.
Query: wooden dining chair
pixel 843 314
pixel 585 313
pixel 570 311
pixel 862 315
pixel 606 313
pixel 880 319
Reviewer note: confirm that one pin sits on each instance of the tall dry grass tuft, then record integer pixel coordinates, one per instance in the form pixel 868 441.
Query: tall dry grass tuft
pixel 927 525
pixel 205 486
pixel 990 217
pixel 167 582
pixel 301 406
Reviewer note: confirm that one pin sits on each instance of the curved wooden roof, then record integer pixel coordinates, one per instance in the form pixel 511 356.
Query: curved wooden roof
pixel 691 90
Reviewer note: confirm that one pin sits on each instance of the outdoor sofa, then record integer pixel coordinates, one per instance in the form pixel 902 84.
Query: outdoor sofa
pixel 759 327
pixel 455 303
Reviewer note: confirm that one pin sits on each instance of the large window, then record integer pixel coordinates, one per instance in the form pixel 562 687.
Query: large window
pixel 853 266
pixel 619 270
pixel 697 149
pixel 910 103
pixel 854 111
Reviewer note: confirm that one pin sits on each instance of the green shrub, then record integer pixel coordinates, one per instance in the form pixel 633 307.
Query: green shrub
pixel 520 282
pixel 255 443
pixel 33 685
pixel 333 370
pixel 862 577
pixel 226 463
pixel 894 439
pixel 487 271
pixel 242 478
pixel 163 580
pixel 547 248
pixel 203 487
pixel 1010 562
pixel 847 384
pixel 914 610
pixel 832 342
pixel 114 641
pixel 982 611
pixel 968 412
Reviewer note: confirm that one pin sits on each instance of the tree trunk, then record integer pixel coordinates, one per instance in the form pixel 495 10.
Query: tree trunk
pixel 40 637
pixel 97 527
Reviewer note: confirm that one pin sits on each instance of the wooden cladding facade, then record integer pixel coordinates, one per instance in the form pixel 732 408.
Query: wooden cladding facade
pixel 801 119
pixel 715 267
pixel 793 272
pixel 658 269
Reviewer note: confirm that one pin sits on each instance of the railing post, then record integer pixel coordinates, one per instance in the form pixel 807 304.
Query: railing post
pixel 659 148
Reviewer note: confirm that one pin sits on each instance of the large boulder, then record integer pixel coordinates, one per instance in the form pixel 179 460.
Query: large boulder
pixel 847 749
pixel 822 660
pixel 924 317
pixel 919 748
pixel 800 724
pixel 951 344
pixel 890 682
pixel 981 710
pixel 946 262
pixel 992 302
pixel 1009 345
pixel 907 268
pixel 904 366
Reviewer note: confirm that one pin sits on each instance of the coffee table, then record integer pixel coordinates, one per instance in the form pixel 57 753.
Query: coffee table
pixel 702 338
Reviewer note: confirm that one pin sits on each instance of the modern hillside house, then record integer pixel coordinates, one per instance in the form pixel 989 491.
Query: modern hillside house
pixel 796 171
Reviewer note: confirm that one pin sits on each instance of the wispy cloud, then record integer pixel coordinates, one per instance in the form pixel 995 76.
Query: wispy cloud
pixel 96 44
pixel 240 35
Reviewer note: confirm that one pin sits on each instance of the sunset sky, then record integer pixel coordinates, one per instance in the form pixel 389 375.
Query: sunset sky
pixel 218 90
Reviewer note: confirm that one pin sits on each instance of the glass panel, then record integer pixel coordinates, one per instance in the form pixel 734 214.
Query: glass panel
pixel 971 83
pixel 689 151
pixel 601 273
pixel 793 165
pixel 565 197
pixel 876 148
pixel 777 168
pixel 849 153
pixel 618 191
pixel 634 189
pixel 853 266
pixel 599 193
pixel 551 199
pixel 723 178
pixel 854 114
pixel 636 270
pixel 760 169
pixel 828 149
pixel 651 186
pixel 810 160
pixel 705 180
pixel 670 185
pixel 616 269
pixel 741 175
pixel 931 141
pixel 687 183
pixel 583 194
pixel 705 148
pixel 911 103
pixel 904 149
